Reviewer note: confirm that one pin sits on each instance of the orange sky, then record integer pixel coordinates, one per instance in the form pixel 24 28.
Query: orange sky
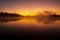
pixel 29 7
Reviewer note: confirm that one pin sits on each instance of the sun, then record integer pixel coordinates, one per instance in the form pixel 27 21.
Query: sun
pixel 28 13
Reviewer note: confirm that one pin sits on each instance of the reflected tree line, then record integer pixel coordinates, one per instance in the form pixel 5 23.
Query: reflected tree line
pixel 51 19
pixel 46 21
pixel 6 17
pixel 6 20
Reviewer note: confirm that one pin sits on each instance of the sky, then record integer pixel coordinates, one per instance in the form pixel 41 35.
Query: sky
pixel 29 7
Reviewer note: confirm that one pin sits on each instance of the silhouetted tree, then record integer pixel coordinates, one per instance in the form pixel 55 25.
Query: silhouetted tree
pixel 5 14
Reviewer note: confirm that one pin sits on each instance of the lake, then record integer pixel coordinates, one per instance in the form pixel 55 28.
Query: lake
pixel 29 25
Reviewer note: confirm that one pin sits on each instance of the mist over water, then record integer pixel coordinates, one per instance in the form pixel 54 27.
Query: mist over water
pixel 30 23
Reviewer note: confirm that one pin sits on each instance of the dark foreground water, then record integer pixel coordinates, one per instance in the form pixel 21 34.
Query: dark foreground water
pixel 29 26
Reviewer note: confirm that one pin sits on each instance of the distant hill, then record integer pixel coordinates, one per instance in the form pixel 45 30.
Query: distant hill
pixel 55 16
pixel 5 14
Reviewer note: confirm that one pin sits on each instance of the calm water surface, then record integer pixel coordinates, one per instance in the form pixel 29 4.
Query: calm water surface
pixel 30 23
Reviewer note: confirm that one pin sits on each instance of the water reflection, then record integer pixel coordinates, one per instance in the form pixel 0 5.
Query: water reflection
pixel 46 21
pixel 26 19
pixel 29 22
pixel 9 19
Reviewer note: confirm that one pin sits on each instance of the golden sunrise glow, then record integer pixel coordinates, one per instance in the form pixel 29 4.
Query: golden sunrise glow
pixel 34 12
pixel 28 13
pixel 30 7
